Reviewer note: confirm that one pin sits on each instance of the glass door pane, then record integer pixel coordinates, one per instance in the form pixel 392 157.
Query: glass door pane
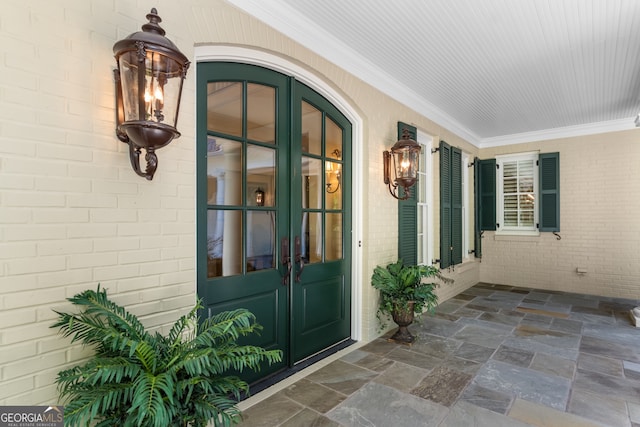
pixel 333 237
pixel 260 240
pixel 333 165
pixel 311 139
pixel 311 183
pixel 224 243
pixel 261 176
pixel 224 107
pixel 224 172
pixel 261 113
pixel 311 237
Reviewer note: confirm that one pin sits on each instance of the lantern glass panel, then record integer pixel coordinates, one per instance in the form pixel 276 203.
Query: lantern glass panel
pixel 151 93
pixel 129 66
pixel 406 163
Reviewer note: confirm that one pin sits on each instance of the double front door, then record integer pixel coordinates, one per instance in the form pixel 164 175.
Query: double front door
pixel 274 224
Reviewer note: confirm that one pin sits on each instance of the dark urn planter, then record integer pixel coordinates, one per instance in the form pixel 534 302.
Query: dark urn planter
pixel 403 316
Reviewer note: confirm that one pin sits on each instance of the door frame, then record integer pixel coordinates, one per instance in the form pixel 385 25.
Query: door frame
pixel 277 62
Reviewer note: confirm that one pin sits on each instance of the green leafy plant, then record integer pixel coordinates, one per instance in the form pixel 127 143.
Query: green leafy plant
pixel 400 284
pixel 136 378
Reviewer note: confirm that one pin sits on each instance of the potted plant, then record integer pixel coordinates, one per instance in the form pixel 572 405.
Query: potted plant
pixel 136 378
pixel 404 294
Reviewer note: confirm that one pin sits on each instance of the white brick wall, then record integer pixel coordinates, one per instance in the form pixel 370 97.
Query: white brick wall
pixel 72 212
pixel 599 226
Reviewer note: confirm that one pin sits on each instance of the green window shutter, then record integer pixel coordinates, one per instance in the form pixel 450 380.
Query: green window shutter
pixel 477 236
pixel 450 205
pixel 456 205
pixel 413 131
pixel 445 204
pixel 486 171
pixel 408 215
pixel 407 232
pixel 549 174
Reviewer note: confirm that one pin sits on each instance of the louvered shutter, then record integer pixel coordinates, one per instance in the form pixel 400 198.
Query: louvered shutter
pixel 486 170
pixel 445 204
pixel 456 205
pixel 549 175
pixel 408 214
pixel 477 236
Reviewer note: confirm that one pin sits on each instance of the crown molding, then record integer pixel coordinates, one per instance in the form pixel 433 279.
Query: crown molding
pixel 557 133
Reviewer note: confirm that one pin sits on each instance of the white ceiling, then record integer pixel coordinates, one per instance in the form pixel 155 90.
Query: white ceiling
pixel 493 71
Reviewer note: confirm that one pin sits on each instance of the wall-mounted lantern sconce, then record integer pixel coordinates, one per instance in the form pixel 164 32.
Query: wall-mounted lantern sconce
pixel 333 168
pixel 149 80
pixel 405 154
pixel 259 197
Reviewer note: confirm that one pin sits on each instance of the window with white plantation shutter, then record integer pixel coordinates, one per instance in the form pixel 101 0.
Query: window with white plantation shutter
pixel 517 193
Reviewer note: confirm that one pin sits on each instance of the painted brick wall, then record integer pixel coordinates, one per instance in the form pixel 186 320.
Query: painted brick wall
pixel 599 222
pixel 72 212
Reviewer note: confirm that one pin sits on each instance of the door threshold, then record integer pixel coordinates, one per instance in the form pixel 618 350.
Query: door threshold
pixel 275 378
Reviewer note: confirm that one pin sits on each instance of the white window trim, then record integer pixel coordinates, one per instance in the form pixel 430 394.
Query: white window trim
pixel 426 141
pixel 516 231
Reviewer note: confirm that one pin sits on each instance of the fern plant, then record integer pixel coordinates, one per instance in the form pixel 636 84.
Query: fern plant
pixel 137 378
pixel 400 284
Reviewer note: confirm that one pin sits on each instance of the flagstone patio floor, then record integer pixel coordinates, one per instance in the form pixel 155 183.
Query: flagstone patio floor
pixel 493 355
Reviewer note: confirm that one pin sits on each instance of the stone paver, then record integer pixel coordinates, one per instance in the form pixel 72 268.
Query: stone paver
pixel 379 405
pixel 543 416
pixel 494 356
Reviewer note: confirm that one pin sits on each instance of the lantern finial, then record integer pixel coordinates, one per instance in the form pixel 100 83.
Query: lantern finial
pixel 154 20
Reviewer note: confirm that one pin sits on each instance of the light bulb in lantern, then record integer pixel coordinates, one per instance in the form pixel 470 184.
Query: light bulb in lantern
pixel 154 103
pixel 159 97
pixel 404 164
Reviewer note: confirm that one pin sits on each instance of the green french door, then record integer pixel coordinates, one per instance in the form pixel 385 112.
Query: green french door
pixel 273 222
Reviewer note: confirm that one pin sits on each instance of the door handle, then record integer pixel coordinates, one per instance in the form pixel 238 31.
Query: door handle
pixel 299 259
pixel 286 259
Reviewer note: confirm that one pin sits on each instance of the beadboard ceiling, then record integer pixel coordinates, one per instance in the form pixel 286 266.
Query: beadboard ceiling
pixel 494 71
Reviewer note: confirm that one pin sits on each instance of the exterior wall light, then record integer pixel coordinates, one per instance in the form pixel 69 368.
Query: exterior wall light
pixel 259 197
pixel 331 169
pixel 405 155
pixel 149 78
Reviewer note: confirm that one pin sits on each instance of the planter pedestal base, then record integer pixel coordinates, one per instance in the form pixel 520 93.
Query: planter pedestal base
pixel 403 316
pixel 403 336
